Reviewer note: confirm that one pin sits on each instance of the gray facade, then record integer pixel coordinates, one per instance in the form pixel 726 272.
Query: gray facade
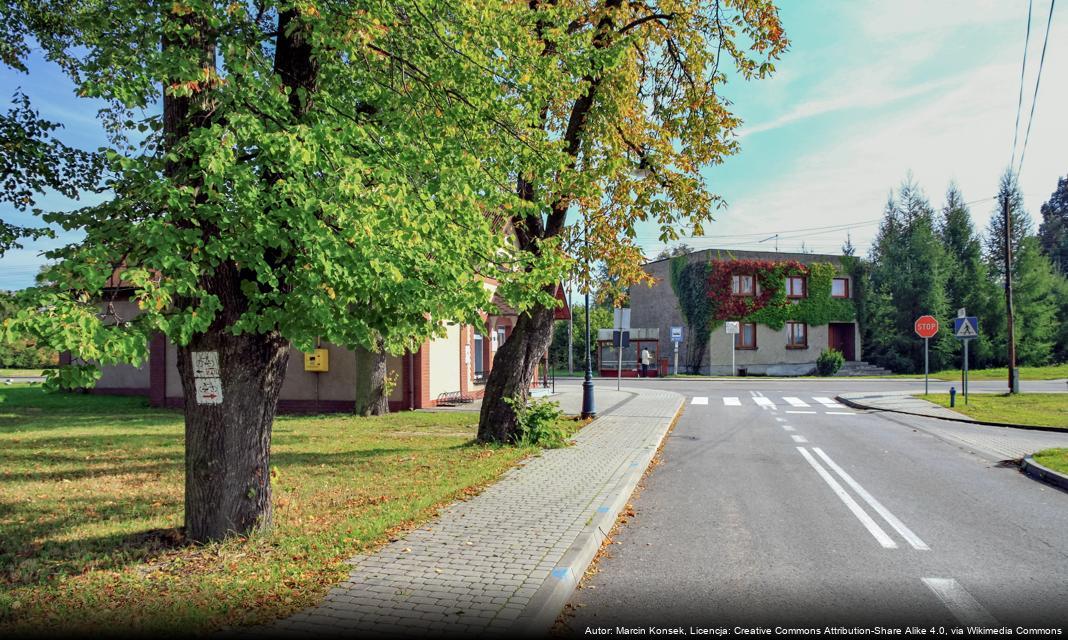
pixel 657 306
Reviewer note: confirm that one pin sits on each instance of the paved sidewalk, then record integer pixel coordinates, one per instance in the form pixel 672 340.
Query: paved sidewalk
pixel 901 401
pixel 506 560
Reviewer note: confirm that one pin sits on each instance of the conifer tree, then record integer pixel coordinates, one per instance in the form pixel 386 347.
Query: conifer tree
pixel 1053 231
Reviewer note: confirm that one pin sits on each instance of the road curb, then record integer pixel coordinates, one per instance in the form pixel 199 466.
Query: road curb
pixel 1008 425
pixel 1045 474
pixel 545 605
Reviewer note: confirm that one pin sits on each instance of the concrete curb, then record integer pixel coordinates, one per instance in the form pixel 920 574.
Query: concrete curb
pixel 546 604
pixel 1045 474
pixel 1008 425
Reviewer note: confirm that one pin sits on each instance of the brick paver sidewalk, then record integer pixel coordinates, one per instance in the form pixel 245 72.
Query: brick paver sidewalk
pixel 507 559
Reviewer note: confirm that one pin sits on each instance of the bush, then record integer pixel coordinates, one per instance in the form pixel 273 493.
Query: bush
pixel 539 423
pixel 829 362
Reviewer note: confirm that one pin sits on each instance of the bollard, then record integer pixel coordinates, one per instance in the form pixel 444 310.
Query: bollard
pixel 952 396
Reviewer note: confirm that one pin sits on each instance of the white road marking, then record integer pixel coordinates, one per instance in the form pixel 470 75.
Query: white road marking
pixel 841 413
pixel 780 419
pixel 788 411
pixel 699 400
pixel 796 402
pixel 732 402
pixel 799 439
pixel 960 603
pixel 827 402
pixel 764 402
pixel 890 518
pixel 862 515
pixel 787 427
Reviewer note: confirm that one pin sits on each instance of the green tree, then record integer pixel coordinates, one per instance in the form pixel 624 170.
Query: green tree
pixel 318 170
pixel 1020 220
pixel 967 282
pixel 1035 304
pixel 600 318
pixel 639 110
pixel 907 281
pixel 1053 230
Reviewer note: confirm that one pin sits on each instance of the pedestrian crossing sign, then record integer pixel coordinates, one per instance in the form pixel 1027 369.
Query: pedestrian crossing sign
pixel 966 328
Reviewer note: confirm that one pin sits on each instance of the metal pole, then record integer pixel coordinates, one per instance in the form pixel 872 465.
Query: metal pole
pixel 926 366
pixel 588 408
pixel 619 350
pixel 964 385
pixel 1013 388
pixel 676 358
pixel 570 331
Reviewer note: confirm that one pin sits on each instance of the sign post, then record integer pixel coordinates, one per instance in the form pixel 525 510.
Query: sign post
pixel 965 329
pixel 676 338
pixel 732 329
pixel 926 327
pixel 621 319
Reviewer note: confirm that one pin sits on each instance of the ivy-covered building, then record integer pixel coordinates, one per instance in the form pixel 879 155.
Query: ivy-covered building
pixel 789 306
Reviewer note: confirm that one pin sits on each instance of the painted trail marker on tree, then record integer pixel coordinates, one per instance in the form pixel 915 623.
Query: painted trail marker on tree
pixel 926 327
pixel 206 377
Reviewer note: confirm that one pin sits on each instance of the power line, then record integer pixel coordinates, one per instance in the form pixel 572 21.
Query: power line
pixel 1038 79
pixel 1019 100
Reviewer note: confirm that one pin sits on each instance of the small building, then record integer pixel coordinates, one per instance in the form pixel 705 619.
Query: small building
pixel 789 306
pixel 612 363
pixel 440 371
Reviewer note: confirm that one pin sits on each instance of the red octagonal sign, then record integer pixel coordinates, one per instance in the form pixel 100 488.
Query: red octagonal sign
pixel 926 326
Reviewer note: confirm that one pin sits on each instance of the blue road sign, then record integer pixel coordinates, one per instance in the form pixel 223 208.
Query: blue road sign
pixel 966 328
pixel 676 334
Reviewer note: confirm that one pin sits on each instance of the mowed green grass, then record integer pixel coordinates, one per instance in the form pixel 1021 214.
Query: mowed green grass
pixel 1051 372
pixel 21 373
pixel 1036 409
pixel 91 504
pixel 1056 459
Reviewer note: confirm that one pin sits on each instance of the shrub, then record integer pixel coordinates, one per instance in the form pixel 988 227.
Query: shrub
pixel 539 423
pixel 829 362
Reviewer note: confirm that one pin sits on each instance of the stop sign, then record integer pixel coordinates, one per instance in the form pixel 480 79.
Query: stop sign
pixel 926 326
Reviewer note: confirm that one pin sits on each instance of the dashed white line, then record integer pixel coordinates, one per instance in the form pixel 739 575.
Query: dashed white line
pixel 890 518
pixel 800 439
pixel 874 529
pixel 960 603
pixel 841 413
pixel 699 400
pixel 796 402
pixel 787 427
pixel 732 401
pixel 809 412
pixel 778 419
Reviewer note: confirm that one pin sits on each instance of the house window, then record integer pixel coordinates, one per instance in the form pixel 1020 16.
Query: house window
pixel 480 359
pixel 795 287
pixel 500 337
pixel 796 335
pixel 742 285
pixel 840 288
pixel 746 336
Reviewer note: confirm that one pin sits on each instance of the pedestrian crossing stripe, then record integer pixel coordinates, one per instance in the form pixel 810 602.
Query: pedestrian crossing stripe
pixel 830 406
pixel 732 402
pixel 764 402
pixel 796 402
pixel 827 402
pixel 700 400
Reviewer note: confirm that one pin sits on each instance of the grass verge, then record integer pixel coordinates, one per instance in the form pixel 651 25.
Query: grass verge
pixel 21 373
pixel 1056 459
pixel 1036 409
pixel 91 503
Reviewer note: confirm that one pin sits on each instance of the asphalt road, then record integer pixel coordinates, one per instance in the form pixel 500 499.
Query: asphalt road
pixel 771 506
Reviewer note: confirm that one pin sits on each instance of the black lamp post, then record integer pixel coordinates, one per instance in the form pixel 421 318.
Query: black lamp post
pixel 588 408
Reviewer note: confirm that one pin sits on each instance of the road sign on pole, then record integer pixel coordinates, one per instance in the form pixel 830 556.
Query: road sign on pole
pixel 965 329
pixel 621 319
pixel 676 338
pixel 733 328
pixel 926 327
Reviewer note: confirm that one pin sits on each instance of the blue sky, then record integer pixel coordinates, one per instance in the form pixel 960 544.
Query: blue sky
pixel 868 92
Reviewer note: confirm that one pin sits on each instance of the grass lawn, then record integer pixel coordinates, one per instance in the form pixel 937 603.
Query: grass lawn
pixel 1056 459
pixel 21 373
pixel 1038 409
pixel 91 501
pixel 1052 372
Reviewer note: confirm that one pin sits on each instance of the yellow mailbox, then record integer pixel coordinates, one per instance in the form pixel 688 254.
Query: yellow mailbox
pixel 317 360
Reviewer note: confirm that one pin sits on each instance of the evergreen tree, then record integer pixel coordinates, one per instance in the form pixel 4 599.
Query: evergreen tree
pixel 1034 299
pixel 1053 232
pixel 995 230
pixel 967 281
pixel 907 281
pixel 1060 338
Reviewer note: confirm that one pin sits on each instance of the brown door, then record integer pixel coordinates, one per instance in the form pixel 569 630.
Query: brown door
pixel 842 338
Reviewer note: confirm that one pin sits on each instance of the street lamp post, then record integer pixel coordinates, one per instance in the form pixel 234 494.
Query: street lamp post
pixel 588 408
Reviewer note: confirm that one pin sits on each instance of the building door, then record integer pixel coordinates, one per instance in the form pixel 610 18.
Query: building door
pixel 842 337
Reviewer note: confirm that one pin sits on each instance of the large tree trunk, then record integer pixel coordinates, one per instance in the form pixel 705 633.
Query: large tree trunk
pixel 371 396
pixel 227 445
pixel 513 369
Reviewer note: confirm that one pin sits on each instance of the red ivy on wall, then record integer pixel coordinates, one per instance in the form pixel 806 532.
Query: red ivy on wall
pixel 768 275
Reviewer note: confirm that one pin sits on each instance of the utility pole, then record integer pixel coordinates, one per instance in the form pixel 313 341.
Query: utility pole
pixel 1014 383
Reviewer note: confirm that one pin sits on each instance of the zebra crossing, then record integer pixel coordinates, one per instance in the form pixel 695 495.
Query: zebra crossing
pixel 789 404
